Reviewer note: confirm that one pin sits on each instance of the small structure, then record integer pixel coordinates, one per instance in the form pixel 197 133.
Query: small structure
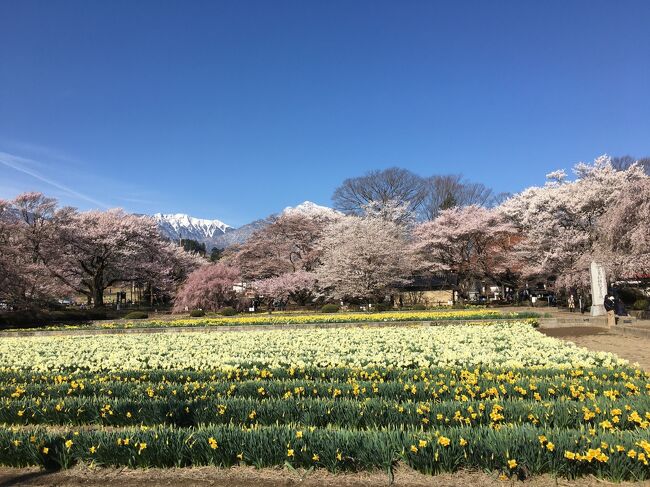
pixel 429 291
pixel 598 289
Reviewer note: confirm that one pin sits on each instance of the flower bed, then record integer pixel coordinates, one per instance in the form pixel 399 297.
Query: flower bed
pixel 511 344
pixel 315 318
pixel 524 449
pixel 499 397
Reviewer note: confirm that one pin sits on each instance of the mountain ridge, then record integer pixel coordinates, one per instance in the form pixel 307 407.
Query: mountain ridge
pixel 215 233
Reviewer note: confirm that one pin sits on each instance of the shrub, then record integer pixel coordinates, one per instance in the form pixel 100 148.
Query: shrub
pixel 419 307
pixel 33 318
pixel 136 315
pixel 330 308
pixel 227 311
pixel 630 295
pixel 641 304
pixel 381 307
pixel 196 313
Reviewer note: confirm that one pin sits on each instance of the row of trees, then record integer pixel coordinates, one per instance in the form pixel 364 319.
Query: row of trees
pixel 377 241
pixel 602 214
pixel 48 252
pixel 380 242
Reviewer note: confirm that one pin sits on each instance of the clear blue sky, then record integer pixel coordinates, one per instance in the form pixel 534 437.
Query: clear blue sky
pixel 235 110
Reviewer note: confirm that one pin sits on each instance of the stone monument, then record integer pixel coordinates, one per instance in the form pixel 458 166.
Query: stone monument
pixel 598 289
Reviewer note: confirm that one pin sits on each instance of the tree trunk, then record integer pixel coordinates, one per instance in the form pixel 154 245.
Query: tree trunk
pixel 98 297
pixel 98 291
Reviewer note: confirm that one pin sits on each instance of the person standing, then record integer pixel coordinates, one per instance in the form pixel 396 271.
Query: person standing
pixel 572 304
pixel 610 306
pixel 620 307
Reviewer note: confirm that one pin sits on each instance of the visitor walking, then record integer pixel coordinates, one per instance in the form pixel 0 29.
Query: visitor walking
pixel 572 304
pixel 610 307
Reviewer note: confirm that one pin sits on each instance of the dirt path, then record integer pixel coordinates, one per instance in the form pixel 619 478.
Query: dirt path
pixel 631 348
pixel 250 477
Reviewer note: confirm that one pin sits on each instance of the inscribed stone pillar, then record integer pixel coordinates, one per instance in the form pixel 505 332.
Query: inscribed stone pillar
pixel 598 289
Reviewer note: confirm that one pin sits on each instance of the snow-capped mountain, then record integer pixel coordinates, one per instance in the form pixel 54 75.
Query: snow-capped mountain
pixel 243 233
pixel 179 225
pixel 215 233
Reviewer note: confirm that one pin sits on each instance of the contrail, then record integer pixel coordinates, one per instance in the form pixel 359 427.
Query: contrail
pixel 18 164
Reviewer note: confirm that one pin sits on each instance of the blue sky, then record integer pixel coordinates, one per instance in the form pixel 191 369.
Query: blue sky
pixel 235 110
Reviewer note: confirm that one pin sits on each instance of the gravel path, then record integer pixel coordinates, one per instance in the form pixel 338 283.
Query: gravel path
pixel 634 349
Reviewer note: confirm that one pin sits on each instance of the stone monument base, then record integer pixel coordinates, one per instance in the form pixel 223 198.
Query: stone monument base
pixel 598 310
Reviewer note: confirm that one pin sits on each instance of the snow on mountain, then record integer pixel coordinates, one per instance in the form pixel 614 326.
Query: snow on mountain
pixel 312 209
pixel 215 233
pixel 243 233
pixel 178 225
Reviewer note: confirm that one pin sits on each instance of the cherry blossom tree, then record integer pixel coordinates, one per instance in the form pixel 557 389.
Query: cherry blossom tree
pixel 471 243
pixel 398 212
pixel 363 257
pixel 297 286
pixel 10 276
pixel 560 219
pixel 47 252
pixel 97 249
pixel 287 244
pixel 624 162
pixel 209 288
pixel 26 225
pixel 624 233
pixel 166 267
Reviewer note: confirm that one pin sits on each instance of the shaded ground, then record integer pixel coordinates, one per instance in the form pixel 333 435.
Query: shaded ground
pixel 632 348
pixel 250 477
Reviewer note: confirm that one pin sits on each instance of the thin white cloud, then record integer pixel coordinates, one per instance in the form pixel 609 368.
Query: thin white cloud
pixel 138 200
pixel 21 164
pixel 38 151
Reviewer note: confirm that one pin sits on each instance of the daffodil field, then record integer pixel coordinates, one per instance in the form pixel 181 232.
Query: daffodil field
pixel 497 396
pixel 290 319
pixel 311 318
pixel 494 344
